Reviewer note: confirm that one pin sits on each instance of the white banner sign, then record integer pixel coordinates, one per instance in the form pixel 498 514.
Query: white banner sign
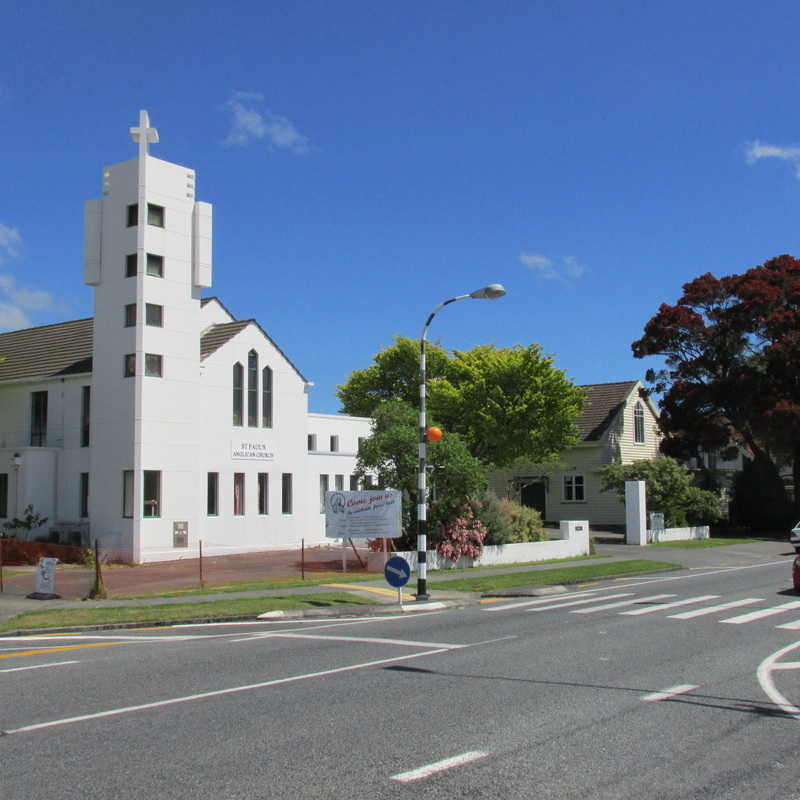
pixel 373 514
pixel 243 450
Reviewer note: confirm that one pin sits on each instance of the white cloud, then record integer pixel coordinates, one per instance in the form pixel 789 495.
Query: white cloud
pixel 251 122
pixel 10 243
pixel 12 318
pixel 548 269
pixel 757 150
pixel 30 299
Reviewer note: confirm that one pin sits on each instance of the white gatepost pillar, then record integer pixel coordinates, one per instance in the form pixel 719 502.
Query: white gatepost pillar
pixel 635 513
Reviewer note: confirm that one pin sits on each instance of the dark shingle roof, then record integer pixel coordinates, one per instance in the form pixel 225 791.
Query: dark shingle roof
pixel 603 402
pixel 217 335
pixel 47 351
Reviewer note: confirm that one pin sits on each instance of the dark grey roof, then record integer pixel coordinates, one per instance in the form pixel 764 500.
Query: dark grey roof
pixel 603 402
pixel 47 351
pixel 217 335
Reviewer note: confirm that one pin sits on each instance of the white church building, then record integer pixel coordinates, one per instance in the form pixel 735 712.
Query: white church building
pixel 162 421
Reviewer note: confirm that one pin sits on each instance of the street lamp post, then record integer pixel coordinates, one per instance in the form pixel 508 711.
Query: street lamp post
pixel 490 292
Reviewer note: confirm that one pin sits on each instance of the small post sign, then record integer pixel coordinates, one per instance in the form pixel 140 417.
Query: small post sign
pixel 397 572
pixel 371 514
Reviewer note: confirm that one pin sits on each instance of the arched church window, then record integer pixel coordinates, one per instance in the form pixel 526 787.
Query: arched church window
pixel 238 393
pixel 252 389
pixel 638 423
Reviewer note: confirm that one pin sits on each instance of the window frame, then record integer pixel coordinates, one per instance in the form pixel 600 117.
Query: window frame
pixel 84 496
pixel 39 401
pixel 127 494
pixel 324 486
pixel 573 485
pixel 238 494
pixel 86 416
pixel 158 212
pixel 3 495
pixel 129 365
pixel 334 443
pixel 131 265
pixel 132 215
pixel 151 307
pixel 252 389
pixel 151 359
pixel 238 395
pixel 212 494
pixel 130 315
pixel 152 504
pixel 154 265
pixel 311 440
pixel 338 483
pixel 287 498
pixel 638 423
pixel 263 493
pixel 266 397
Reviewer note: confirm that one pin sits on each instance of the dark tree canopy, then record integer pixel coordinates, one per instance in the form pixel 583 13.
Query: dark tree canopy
pixel 731 347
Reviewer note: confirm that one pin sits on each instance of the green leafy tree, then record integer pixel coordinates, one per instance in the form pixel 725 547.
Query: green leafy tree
pixel 506 403
pixel 390 453
pixel 669 490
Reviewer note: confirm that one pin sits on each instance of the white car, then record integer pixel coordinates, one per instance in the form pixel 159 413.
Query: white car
pixel 794 537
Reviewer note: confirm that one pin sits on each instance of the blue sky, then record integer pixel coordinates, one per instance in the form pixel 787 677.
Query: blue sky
pixel 367 160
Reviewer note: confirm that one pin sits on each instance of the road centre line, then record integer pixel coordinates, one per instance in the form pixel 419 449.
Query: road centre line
pixel 662 606
pixel 217 693
pixel 761 613
pixel 59 649
pixel 581 602
pixel 621 603
pixel 40 666
pixel 666 694
pixel 644 580
pixel 699 612
pixel 439 766
pixel 365 639
pixel 112 636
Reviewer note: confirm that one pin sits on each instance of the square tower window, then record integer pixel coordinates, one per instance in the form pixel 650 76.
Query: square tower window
pixel 130 315
pixel 154 315
pixel 153 365
pixel 155 215
pixel 155 265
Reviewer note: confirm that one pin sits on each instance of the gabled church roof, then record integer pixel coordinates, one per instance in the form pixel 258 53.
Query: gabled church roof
pixel 65 348
pixel 603 403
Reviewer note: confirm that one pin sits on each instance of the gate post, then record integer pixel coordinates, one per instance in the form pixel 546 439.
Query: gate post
pixel 635 513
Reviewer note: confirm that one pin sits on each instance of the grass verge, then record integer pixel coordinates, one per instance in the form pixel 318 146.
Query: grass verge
pixel 544 577
pixel 694 544
pixel 172 612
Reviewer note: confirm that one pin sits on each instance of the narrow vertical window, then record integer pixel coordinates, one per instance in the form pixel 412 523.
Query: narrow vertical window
pixel 338 482
pixel 323 488
pixel 252 389
pixel 238 393
pixel 286 493
pixel 238 493
pixel 354 483
pixel 212 501
pixel 127 493
pixel 3 495
pixel 133 215
pixel 84 495
pixel 638 424
pixel 129 368
pixel 86 414
pixel 266 397
pixel 263 493
pixel 334 444
pixel 130 315
pixel 131 265
pixel 312 441
pixel 38 419
pixel 152 493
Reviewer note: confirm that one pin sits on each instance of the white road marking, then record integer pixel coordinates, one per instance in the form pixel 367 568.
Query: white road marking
pixel 438 766
pixel 67 636
pixel 40 666
pixel 540 600
pixel 761 613
pixel 581 602
pixel 790 626
pixel 765 668
pixel 699 612
pixel 652 609
pixel 366 639
pixel 620 604
pixel 666 694
pixel 217 693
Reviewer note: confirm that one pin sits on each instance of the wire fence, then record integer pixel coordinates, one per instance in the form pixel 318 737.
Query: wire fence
pixel 224 573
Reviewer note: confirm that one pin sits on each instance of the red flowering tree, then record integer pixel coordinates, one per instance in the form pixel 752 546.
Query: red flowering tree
pixel 731 348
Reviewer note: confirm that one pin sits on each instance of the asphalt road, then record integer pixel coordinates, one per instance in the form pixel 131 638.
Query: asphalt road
pixel 679 686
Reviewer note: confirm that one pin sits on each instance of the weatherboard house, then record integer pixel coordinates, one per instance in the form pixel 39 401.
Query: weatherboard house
pixel 617 423
pixel 162 421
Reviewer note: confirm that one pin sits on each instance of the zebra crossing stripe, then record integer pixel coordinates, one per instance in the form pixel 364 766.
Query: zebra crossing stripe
pixel 789 626
pixel 663 606
pixel 620 604
pixel 699 612
pixel 581 602
pixel 761 613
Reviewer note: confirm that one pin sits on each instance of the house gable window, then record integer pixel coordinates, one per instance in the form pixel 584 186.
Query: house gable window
pixel 38 419
pixel 573 489
pixel 638 423
pixel 238 393
pixel 252 389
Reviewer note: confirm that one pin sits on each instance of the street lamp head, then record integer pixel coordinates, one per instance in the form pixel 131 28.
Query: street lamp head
pixel 490 292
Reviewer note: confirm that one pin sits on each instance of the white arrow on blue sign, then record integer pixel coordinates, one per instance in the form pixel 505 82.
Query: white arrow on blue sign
pixel 397 571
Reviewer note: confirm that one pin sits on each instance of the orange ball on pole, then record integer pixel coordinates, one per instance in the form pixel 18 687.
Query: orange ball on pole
pixel 434 434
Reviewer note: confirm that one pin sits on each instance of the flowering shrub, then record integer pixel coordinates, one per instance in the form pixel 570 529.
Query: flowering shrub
pixel 462 536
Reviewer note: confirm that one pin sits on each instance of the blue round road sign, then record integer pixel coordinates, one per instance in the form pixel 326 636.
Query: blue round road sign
pixel 397 572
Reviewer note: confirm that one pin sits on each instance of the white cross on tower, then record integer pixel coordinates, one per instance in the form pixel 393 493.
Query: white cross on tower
pixel 144 134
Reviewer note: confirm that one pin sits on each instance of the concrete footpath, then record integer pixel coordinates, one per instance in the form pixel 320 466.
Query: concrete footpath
pixel 739 554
